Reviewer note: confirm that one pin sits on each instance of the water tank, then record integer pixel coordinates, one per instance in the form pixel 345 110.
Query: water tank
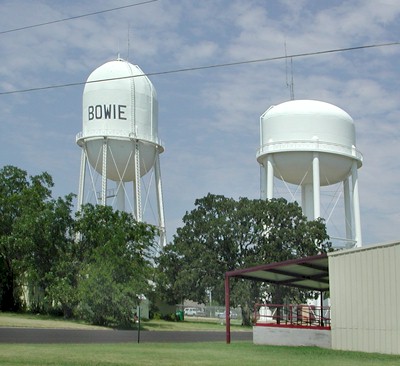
pixel 292 131
pixel 120 143
pixel 120 105
pixel 312 144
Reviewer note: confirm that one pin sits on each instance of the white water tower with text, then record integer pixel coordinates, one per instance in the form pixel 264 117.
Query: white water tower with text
pixel 120 144
pixel 312 144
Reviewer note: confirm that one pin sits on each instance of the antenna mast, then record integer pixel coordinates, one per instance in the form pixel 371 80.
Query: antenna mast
pixel 290 84
pixel 129 43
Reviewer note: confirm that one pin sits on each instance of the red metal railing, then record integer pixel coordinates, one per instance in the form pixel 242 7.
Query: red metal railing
pixel 294 315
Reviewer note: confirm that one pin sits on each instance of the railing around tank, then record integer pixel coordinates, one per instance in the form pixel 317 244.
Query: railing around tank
pixel 292 316
pixel 307 145
pixel 117 134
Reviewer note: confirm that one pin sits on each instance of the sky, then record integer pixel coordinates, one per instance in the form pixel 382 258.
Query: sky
pixel 208 117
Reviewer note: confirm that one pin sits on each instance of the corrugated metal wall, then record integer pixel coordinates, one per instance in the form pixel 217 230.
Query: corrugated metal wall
pixel 365 299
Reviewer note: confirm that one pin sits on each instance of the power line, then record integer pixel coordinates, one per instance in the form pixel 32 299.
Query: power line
pixel 196 68
pixel 298 55
pixel 76 17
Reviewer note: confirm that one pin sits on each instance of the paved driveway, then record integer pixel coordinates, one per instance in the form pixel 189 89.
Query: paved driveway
pixel 25 335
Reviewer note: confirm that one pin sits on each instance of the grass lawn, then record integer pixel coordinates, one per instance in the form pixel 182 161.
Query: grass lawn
pixel 217 353
pixel 40 321
pixel 43 321
pixel 206 324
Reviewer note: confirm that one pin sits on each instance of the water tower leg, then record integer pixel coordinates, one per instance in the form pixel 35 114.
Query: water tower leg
pixel 263 181
pixel 161 221
pixel 82 178
pixel 138 192
pixel 104 174
pixel 356 205
pixel 348 212
pixel 270 177
pixel 316 186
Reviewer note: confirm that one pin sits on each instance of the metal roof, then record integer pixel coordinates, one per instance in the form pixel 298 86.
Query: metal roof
pixel 310 273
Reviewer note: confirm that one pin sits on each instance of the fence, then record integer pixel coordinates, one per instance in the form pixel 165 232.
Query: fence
pixel 297 315
pixel 209 311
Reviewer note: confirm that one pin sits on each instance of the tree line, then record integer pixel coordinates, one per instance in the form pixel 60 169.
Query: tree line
pixel 96 264
pixel 93 265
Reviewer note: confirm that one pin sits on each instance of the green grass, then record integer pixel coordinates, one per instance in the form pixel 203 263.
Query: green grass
pixel 41 321
pixel 193 324
pixel 217 353
pixel 47 321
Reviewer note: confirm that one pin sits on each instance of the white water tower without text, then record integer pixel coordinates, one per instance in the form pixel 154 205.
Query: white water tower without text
pixel 312 144
pixel 119 140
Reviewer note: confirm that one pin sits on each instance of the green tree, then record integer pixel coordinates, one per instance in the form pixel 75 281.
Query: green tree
pixel 52 265
pixel 99 263
pixel 221 235
pixel 46 234
pixel 116 255
pixel 23 200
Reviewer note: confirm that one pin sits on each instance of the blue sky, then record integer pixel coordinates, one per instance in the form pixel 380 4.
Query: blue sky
pixel 208 119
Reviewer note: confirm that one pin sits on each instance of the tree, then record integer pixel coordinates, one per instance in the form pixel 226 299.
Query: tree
pixel 222 234
pixel 52 265
pixel 46 234
pixel 22 200
pixel 116 254
pixel 96 265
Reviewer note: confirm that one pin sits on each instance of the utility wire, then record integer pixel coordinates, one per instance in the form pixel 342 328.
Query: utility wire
pixel 76 17
pixel 298 55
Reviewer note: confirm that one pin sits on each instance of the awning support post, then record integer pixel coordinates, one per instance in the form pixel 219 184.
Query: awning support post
pixel 227 310
pixel 322 308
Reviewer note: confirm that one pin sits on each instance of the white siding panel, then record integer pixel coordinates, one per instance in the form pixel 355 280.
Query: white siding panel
pixel 365 298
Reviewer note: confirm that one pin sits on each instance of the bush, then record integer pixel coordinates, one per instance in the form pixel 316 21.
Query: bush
pixel 156 316
pixel 170 317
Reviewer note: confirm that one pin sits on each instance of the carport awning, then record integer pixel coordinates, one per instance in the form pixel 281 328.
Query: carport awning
pixel 310 273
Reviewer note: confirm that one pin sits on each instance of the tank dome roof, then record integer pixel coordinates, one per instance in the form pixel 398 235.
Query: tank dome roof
pixel 308 120
pixel 292 131
pixel 314 107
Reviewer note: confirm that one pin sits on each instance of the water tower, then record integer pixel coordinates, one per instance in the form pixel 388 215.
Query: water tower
pixel 312 144
pixel 119 141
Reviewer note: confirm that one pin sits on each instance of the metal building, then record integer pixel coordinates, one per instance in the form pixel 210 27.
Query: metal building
pixel 120 143
pixel 363 285
pixel 312 144
pixel 365 297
